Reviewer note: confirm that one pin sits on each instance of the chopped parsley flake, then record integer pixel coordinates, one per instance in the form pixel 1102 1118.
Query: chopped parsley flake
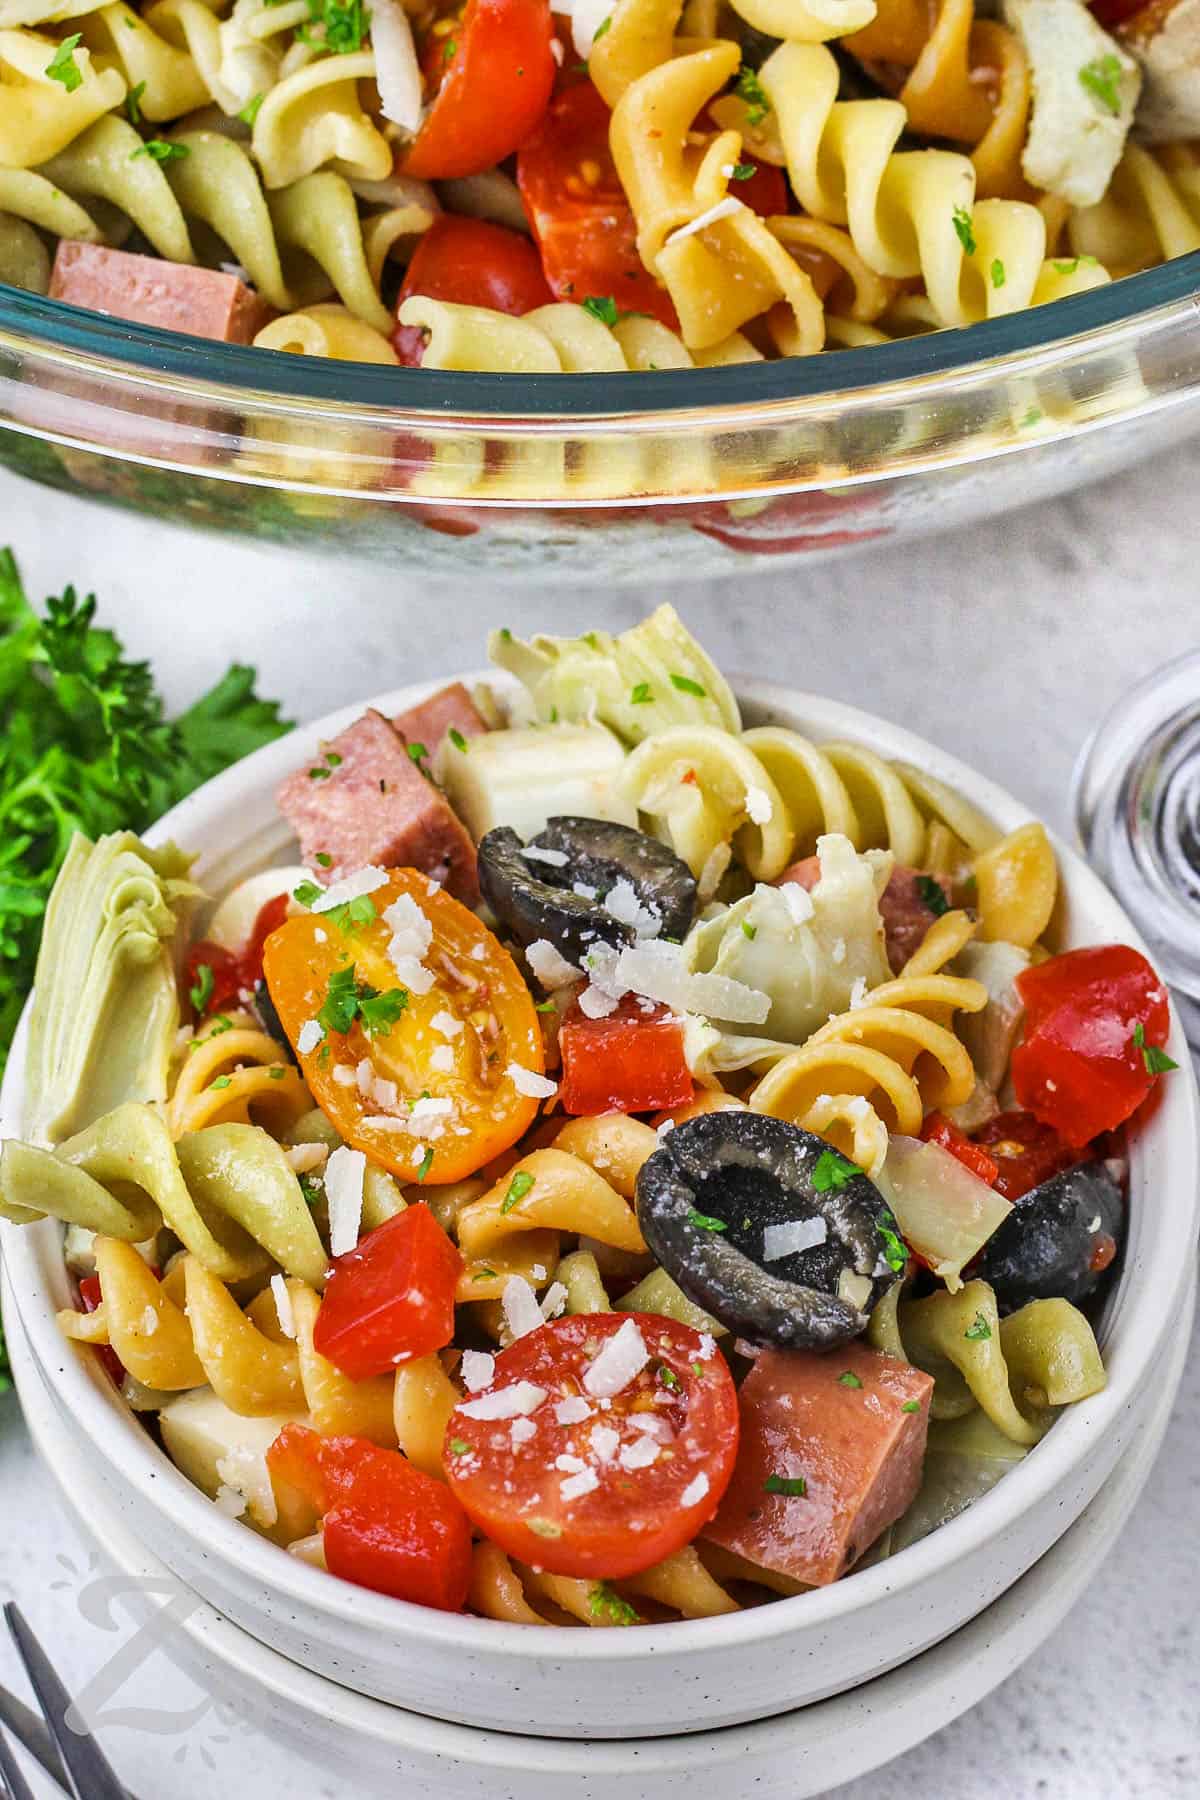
pixel 518 1187
pixel 379 1012
pixel 794 1485
pixel 484 1275
pixel 505 635
pixel 202 987
pixel 602 307
pixel 750 89
pixel 964 230
pixel 669 1378
pixel 424 1166
pixel 418 752
pixel 277 1073
pixel 832 1172
pixel 743 171
pixel 313 1189
pixel 339 1009
pixel 162 152
pixel 604 25
pixel 1101 79
pixel 1032 417
pixel 133 107
pixel 313 774
pixel 749 930
pixel 641 695
pixel 222 1081
pixel 545 1006
pixel 250 111
pixel 61 66
pixel 686 685
pixel 604 1602
pixel 459 1446
pixel 932 895
pixel 849 1379
pixel 895 1249
pixel 343 26
pixel 1157 1061
pixel 457 739
pixel 999 277
pixel 351 915
pixel 978 1331
pixel 911 1406
pixel 705 1222
pixel 324 858
pixel 306 893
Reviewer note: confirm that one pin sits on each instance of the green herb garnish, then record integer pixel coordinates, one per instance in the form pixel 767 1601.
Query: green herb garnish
pixel 932 895
pixel 964 230
pixel 911 1406
pixel 604 25
pixel 424 1166
pixel 794 1485
pixel 641 695
pixel 895 1249
pixel 686 685
pixel 277 1073
pixel 133 103
pixel 743 171
pixel 339 1009
pixel 459 1446
pixel 978 1330
pixel 313 1189
pixel 161 151
pixel 999 275
pixel 832 1172
pixel 222 1081
pixel 351 915
pixel 604 1602
pixel 705 1222
pixel 750 89
pixel 201 990
pixel 484 1275
pixel 1157 1061
pixel 1101 79
pixel 749 930
pixel 457 739
pixel 669 1378
pixel 61 66
pixel 306 893
pixel 418 752
pixel 518 1187
pixel 602 307
pixel 849 1379
pixel 251 109
pixel 379 1012
pixel 324 858
pixel 341 26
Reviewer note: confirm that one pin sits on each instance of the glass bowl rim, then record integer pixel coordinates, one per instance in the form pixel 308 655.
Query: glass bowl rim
pixel 1086 323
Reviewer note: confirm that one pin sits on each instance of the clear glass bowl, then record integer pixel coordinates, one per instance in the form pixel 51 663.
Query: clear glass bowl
pixel 553 476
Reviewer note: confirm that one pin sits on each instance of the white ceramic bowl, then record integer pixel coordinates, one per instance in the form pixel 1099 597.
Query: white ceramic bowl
pixel 678 1677
pixel 797 1756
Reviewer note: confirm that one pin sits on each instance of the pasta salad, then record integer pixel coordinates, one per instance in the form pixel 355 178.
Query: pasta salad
pixel 617 184
pixel 632 1166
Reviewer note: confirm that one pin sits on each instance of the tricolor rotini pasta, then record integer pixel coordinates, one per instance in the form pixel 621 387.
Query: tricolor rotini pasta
pixel 578 1200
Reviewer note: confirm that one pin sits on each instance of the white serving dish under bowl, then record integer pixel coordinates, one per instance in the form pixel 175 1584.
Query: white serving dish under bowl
pixel 799 1755
pixel 686 1676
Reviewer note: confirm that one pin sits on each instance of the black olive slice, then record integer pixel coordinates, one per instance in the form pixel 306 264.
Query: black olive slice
pixel 1058 1240
pixel 719 1182
pixel 534 895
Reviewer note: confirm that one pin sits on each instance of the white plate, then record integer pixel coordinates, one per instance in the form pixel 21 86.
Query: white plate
pixel 797 1756
pixel 681 1676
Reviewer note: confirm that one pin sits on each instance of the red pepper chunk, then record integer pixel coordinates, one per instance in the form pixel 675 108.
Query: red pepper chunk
pixel 386 1526
pixel 1025 1152
pixel 390 1298
pixel 1082 1066
pixel 631 1061
pixel 938 1129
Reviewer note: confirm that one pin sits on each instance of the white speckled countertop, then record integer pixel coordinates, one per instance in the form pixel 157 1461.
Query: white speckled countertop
pixel 1005 646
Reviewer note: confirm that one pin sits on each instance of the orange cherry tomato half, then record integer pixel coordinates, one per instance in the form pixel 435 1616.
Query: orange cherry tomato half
pixel 466 1112
pixel 581 219
pixel 385 1525
pixel 472 263
pixel 601 1491
pixel 490 92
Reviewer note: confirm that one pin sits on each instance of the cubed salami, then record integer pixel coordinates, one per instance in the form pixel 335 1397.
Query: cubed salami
pixel 830 1455
pixel 450 709
pixel 145 289
pixel 367 802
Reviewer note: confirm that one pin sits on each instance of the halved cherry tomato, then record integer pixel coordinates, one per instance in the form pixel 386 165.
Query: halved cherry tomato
pixel 473 263
pixel 313 964
pixel 632 1061
pixel 91 1299
pixel 232 971
pixel 490 93
pixel 390 1298
pixel 585 1497
pixel 1091 1017
pixel 385 1526
pixel 581 219
pixel 1025 1153
pixel 938 1129
pixel 1115 12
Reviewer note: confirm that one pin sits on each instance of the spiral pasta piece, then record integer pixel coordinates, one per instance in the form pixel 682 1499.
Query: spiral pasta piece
pixel 168 81
pixel 1150 213
pixel 236 1073
pixel 897 1051
pixel 1017 886
pixel 679 1586
pixel 39 118
pixel 326 330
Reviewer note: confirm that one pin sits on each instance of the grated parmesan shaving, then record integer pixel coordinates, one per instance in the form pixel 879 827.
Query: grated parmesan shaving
pixel 575 1486
pixel 621 902
pixel 573 1410
pixel 397 72
pixel 551 969
pixel 640 1454
pixel 446 1025
pixel 798 901
pixel 302 1159
pixel 557 859
pixel 554 1300
pixel 283 1306
pixel 695 1491
pixel 623 1357
pixel 522 1314
pixel 350 887
pixel 793 1236
pixel 520 1432
pixel 605 1443
pixel 758 806
pixel 344 1174
pixel 309 1036
pixel 517 1400
pixel 724 209
pixel 530 1083
pixel 478 1370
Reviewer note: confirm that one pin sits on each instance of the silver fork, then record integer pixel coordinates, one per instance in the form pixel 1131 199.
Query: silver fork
pixel 73 1759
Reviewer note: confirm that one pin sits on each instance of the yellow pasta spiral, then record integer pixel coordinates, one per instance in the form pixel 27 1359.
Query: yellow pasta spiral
pixel 681 1586
pixel 1150 213
pixel 235 1071
pixel 897 1051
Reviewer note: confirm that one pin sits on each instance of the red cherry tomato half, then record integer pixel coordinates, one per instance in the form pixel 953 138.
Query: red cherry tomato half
pixel 231 971
pixel 584 1495
pixel 1110 13
pixel 1025 1153
pixel 472 263
pixel 386 1526
pixel 390 1298
pixel 1091 1018
pixel 629 1062
pixel 90 1298
pixel 938 1129
pixel 581 219
pixel 490 92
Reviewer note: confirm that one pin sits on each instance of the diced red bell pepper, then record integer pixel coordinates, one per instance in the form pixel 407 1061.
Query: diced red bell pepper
pixel 386 1526
pixel 1084 1065
pixel 91 1298
pixel 391 1297
pixel 632 1061
pixel 938 1129
pixel 1025 1152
